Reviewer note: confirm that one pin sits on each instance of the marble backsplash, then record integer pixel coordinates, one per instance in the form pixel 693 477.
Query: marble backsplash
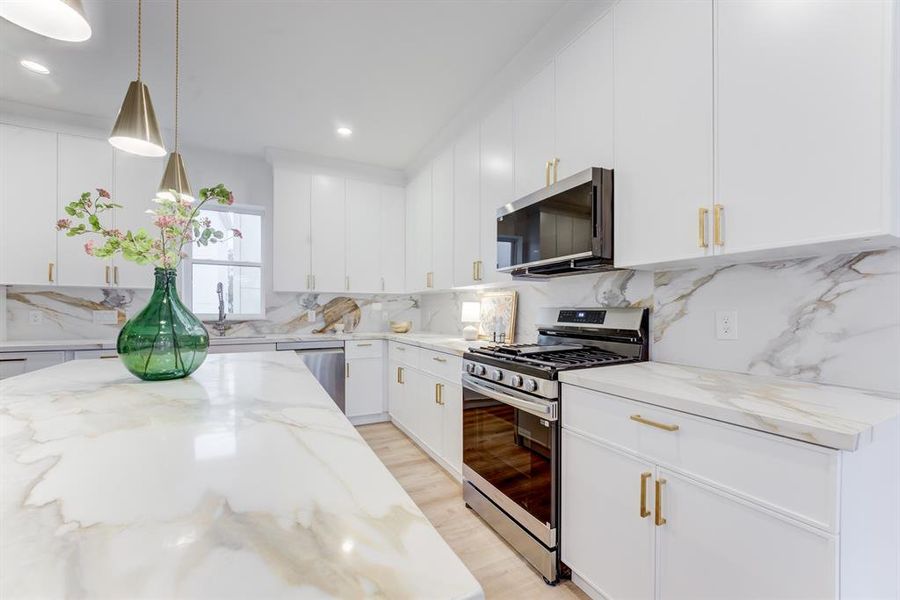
pixel 68 313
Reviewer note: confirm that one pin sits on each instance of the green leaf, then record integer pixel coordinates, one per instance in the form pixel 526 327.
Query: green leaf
pixel 70 211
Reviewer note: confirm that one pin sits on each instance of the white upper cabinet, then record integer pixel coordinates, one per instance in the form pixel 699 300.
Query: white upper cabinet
pixel 364 236
pixel 442 221
pixel 533 105
pixel 584 100
pixel 496 183
pixel 136 182
pixel 27 206
pixel 290 230
pixel 467 216
pixel 327 233
pixel 393 238
pixel 418 231
pixel 663 129
pixel 802 101
pixel 84 165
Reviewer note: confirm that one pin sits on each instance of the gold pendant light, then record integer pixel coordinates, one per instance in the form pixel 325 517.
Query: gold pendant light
pixel 62 20
pixel 175 176
pixel 136 130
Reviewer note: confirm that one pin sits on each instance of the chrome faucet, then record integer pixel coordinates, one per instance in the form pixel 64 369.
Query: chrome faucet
pixel 220 324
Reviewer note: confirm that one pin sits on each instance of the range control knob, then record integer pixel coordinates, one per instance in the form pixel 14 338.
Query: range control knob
pixel 480 370
pixel 516 381
pixel 470 368
pixel 530 385
pixel 496 375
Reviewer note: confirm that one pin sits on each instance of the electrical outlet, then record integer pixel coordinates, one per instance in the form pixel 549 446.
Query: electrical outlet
pixel 106 317
pixel 35 317
pixel 726 325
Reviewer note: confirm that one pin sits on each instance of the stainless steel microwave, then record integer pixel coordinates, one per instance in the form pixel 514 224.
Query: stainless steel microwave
pixel 563 229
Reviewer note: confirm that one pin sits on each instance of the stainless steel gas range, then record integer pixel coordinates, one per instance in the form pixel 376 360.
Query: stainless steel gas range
pixel 511 430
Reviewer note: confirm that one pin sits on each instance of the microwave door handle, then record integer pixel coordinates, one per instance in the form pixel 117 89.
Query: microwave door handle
pixel 545 410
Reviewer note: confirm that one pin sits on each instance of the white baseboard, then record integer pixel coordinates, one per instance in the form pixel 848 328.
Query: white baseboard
pixel 587 588
pixel 457 475
pixel 369 419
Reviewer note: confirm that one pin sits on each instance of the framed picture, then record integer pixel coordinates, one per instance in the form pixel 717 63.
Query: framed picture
pixel 498 316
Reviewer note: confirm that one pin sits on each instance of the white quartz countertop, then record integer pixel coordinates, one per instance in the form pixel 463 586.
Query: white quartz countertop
pixel 832 416
pixel 433 341
pixel 243 480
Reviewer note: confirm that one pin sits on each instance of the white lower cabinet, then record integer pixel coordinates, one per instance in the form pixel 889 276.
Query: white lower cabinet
pixel 16 363
pixel 427 405
pixel 364 381
pixel 657 504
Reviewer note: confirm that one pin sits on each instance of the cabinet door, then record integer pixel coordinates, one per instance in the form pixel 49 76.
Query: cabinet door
pixel 534 136
pixel 584 100
pixel 290 230
pixel 663 128
pixel 467 214
pixel 327 233
pixel 605 540
pixel 496 184
pixel 799 155
pixel 16 363
pixel 393 227
pixel 365 387
pixel 451 434
pixel 442 221
pixel 363 236
pixel 84 165
pixel 714 546
pixel 27 206
pixel 425 413
pixel 136 181
pixel 418 230
pixel 397 392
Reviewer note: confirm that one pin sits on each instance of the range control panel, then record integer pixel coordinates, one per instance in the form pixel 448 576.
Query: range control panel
pixel 593 317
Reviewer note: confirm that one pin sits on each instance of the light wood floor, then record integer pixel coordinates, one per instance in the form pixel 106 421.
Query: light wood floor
pixel 501 572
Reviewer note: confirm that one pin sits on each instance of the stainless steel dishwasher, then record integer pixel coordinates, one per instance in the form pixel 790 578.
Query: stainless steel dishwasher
pixel 325 360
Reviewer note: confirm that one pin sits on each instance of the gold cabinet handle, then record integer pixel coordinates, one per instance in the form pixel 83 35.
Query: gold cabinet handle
pixel 50 272
pixel 437 393
pixel 659 518
pixel 116 275
pixel 547 173
pixel 555 170
pixel 644 477
pixel 718 238
pixel 400 375
pixel 429 279
pixel 367 344
pixel 658 425
pixel 480 270
pixel 107 274
pixel 347 370
pixel 474 270
pixel 438 359
pixel 701 227
pixel 347 282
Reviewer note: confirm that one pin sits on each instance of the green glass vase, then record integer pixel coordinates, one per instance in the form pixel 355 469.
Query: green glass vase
pixel 165 340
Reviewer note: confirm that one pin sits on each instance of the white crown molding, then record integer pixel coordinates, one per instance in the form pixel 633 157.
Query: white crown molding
pixel 323 165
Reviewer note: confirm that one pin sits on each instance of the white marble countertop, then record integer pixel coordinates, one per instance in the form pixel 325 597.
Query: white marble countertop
pixel 243 480
pixel 433 341
pixel 832 416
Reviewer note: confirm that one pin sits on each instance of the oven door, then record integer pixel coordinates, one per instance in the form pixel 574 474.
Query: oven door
pixel 511 453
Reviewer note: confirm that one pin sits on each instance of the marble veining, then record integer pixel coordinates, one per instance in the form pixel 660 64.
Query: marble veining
pixel 243 480
pixel 832 416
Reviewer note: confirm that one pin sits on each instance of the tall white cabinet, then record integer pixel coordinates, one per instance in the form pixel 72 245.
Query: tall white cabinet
pixel 328 252
pixel 496 184
pixel 418 231
pixel 467 215
pixel 534 131
pixel 442 221
pixel 136 182
pixel 393 238
pixel 28 200
pixel 292 191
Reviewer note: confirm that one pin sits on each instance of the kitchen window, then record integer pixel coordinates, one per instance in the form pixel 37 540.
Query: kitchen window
pixel 236 263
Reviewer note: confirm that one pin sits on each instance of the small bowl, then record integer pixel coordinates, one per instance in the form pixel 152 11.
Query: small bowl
pixel 401 326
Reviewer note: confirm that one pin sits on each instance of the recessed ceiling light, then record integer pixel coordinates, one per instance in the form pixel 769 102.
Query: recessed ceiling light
pixel 34 67
pixel 344 131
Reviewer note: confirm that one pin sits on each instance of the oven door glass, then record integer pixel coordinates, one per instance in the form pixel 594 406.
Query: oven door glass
pixel 513 450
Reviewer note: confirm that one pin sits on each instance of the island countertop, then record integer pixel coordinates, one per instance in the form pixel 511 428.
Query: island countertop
pixel 243 480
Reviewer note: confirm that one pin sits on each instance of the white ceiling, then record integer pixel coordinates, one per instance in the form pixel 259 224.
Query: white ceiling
pixel 284 74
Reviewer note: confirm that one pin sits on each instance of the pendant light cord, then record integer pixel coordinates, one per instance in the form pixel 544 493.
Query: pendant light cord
pixel 177 37
pixel 139 40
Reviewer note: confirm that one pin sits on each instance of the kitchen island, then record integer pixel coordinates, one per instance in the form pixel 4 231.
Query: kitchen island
pixel 243 480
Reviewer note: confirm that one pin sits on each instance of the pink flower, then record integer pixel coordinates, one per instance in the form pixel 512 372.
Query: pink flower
pixel 237 233
pixel 230 200
pixel 164 221
pixel 63 224
pixel 117 234
pixel 89 248
pixel 102 193
pixel 184 201
pixel 205 222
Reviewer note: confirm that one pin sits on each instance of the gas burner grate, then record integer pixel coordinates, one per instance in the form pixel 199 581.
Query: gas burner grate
pixel 555 357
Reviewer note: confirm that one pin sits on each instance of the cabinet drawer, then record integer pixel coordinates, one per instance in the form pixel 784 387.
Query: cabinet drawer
pixel 404 353
pixel 446 366
pixel 364 349
pixel 16 363
pixel 796 479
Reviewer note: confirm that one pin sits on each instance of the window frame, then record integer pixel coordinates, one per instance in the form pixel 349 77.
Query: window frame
pixel 190 261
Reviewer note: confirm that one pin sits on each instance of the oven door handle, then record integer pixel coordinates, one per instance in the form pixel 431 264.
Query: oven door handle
pixel 541 408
